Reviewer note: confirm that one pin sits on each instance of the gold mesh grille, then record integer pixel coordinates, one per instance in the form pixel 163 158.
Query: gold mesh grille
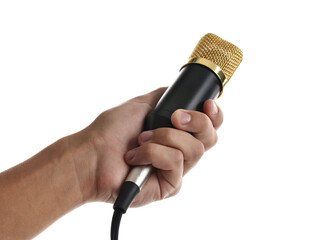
pixel 224 54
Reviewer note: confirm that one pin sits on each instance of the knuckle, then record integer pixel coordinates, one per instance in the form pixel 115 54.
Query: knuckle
pixel 199 151
pixel 177 158
pixel 214 139
pixel 175 162
pixel 204 119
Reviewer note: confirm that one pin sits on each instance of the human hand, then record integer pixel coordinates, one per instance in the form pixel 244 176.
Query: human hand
pixel 117 144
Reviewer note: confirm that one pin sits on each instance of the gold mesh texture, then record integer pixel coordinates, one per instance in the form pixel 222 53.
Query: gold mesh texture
pixel 224 54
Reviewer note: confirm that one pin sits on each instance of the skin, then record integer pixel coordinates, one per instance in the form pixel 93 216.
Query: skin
pixel 92 164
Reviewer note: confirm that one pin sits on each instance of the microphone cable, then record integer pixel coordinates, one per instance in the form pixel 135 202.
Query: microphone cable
pixel 115 224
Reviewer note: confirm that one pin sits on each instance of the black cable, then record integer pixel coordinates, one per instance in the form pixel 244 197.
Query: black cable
pixel 126 195
pixel 115 224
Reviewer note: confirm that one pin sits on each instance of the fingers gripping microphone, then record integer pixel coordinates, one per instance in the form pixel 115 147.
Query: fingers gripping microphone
pixel 211 65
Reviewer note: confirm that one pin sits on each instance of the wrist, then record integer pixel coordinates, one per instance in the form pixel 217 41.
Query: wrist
pixel 84 161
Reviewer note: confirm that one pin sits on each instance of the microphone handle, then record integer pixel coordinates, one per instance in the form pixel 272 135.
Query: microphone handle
pixel 195 84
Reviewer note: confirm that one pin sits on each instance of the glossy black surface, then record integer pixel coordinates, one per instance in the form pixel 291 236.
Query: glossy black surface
pixel 195 85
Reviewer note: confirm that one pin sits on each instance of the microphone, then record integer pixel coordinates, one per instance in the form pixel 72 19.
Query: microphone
pixel 203 77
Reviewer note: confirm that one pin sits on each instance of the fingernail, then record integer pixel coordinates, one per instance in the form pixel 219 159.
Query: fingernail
pixel 185 117
pixel 130 155
pixel 146 136
pixel 214 109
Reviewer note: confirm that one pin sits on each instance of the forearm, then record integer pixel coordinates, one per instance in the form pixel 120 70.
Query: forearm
pixel 40 190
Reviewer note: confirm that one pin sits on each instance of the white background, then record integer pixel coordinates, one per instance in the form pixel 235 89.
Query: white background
pixel 64 62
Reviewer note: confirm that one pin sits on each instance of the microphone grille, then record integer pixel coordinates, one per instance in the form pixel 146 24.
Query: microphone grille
pixel 222 53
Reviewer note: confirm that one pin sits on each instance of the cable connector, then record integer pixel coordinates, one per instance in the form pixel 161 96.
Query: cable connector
pixel 127 193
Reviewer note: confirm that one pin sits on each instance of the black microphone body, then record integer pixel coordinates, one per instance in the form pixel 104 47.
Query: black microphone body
pixel 195 84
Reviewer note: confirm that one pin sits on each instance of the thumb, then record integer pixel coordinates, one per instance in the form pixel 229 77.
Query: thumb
pixel 150 98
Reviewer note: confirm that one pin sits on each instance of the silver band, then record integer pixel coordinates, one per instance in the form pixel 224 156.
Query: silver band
pixel 139 175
